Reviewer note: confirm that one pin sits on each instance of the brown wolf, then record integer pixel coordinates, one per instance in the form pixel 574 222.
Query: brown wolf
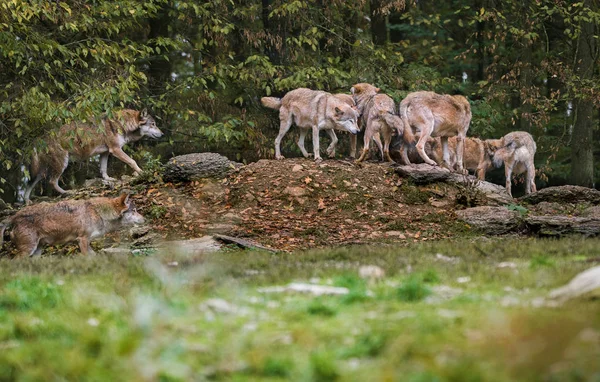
pixel 378 115
pixel 65 221
pixel 311 109
pixel 517 151
pixel 83 140
pixel 437 115
pixel 476 156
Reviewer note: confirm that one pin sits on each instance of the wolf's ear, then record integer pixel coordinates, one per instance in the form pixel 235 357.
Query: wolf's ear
pixel 377 90
pixel 143 116
pixel 338 111
pixel 353 90
pixel 124 200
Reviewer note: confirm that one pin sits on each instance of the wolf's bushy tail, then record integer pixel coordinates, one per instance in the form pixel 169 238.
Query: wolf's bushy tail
pixel 409 137
pixel 271 102
pixel 393 121
pixel 35 164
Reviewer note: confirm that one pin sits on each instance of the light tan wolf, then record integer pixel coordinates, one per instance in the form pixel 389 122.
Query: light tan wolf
pixel 437 115
pixel 68 220
pixel 378 115
pixel 517 151
pixel 84 140
pixel 476 156
pixel 312 109
pixel 347 98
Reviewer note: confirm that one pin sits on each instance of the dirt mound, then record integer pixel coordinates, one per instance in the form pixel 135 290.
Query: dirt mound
pixel 296 203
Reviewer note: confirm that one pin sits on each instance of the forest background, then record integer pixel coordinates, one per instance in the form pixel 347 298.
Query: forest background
pixel 201 68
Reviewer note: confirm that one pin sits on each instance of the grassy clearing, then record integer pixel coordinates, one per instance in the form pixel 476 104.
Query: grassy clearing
pixel 429 319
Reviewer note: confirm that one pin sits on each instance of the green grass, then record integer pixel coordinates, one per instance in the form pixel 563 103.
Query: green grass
pixel 136 318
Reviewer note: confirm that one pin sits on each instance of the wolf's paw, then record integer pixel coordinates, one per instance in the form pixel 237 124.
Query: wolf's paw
pixel 318 160
pixel 331 152
pixel 279 157
pixel 136 174
pixel 308 155
pixel 109 179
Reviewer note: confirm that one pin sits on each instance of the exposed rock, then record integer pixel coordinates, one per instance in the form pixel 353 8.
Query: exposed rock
pixel 592 212
pixel 561 194
pixel 424 174
pixel 295 191
pixel 204 244
pixel 371 272
pixel 585 284
pixel 397 234
pixel 317 290
pixel 563 225
pixel 492 220
pixel 184 168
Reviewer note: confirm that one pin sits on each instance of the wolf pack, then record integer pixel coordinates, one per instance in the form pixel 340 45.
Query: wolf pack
pixel 432 128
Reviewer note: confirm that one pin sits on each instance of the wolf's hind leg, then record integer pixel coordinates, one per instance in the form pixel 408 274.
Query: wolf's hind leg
pixel 30 188
pixel 285 123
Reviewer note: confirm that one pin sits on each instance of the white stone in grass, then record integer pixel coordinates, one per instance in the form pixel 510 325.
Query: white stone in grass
pixel 219 305
pixel 371 272
pixel 463 280
pixel 447 259
pixel 314 289
pixel 506 264
pixel 93 322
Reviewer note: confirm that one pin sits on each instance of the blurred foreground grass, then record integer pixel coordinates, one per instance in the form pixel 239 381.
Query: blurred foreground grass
pixel 447 311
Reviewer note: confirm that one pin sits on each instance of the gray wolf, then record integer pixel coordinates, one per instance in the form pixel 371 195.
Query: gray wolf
pixel 312 109
pixel 68 220
pixel 476 156
pixel 84 140
pixel 517 151
pixel 347 98
pixel 436 115
pixel 378 115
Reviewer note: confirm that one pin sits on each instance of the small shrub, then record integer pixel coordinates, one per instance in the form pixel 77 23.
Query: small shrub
pixel 413 289
pixel 318 307
pixel 367 345
pixel 277 367
pixel 323 367
pixel 520 209
pixel 411 194
pixel 357 288
pixel 540 262
pixel 157 211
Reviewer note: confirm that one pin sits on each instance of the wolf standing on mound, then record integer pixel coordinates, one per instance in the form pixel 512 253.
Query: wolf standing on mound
pixel 378 113
pixel 65 221
pixel 437 115
pixel 517 151
pixel 84 140
pixel 311 109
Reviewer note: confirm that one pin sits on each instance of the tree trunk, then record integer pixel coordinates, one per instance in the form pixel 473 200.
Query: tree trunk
pixel 582 148
pixel 378 23
pixel 159 70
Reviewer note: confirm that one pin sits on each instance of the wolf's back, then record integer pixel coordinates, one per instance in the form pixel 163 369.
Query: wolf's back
pixel 271 102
